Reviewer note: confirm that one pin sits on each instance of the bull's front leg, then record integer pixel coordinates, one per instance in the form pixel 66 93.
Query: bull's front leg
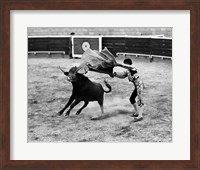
pixel 71 99
pixel 79 111
pixel 72 106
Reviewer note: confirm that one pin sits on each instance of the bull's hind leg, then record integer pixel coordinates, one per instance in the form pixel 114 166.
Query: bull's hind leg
pixel 79 111
pixel 72 106
pixel 101 105
pixel 102 112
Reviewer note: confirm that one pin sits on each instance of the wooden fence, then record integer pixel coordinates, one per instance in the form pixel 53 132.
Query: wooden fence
pixel 144 45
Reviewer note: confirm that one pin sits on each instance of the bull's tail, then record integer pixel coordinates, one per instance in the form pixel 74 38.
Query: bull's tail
pixel 108 86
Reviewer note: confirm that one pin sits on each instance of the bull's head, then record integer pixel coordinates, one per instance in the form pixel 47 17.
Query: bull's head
pixel 71 74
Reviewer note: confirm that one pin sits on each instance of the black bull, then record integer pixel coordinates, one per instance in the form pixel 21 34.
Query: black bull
pixel 83 90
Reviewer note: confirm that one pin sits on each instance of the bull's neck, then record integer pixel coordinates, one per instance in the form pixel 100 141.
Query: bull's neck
pixel 76 84
pixel 81 79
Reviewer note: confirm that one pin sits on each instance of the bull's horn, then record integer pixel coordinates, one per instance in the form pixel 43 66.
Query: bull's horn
pixel 78 68
pixel 61 69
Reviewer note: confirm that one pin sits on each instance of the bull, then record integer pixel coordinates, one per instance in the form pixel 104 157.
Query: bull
pixel 83 90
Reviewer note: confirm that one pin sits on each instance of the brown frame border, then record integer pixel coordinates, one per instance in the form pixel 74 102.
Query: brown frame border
pixel 7 5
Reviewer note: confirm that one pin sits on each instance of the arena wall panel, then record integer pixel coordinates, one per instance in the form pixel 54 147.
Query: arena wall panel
pixel 116 44
pixel 37 44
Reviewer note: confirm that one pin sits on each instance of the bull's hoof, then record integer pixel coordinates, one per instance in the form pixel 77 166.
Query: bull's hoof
pixel 59 113
pixel 77 113
pixel 67 114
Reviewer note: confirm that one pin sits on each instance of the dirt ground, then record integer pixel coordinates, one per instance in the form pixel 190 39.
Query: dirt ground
pixel 48 92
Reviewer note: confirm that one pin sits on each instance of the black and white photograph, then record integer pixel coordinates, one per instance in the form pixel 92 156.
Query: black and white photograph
pixel 99 84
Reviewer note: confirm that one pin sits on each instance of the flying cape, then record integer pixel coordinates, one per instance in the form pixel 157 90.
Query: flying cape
pixel 102 62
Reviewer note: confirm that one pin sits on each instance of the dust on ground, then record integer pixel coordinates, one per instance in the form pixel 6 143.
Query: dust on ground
pixel 48 92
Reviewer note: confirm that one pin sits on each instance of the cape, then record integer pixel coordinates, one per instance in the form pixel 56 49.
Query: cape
pixel 101 62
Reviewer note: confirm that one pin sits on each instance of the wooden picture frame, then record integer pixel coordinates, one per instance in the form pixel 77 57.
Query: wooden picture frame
pixel 6 6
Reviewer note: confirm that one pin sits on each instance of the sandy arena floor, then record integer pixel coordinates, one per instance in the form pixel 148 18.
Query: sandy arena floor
pixel 48 92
